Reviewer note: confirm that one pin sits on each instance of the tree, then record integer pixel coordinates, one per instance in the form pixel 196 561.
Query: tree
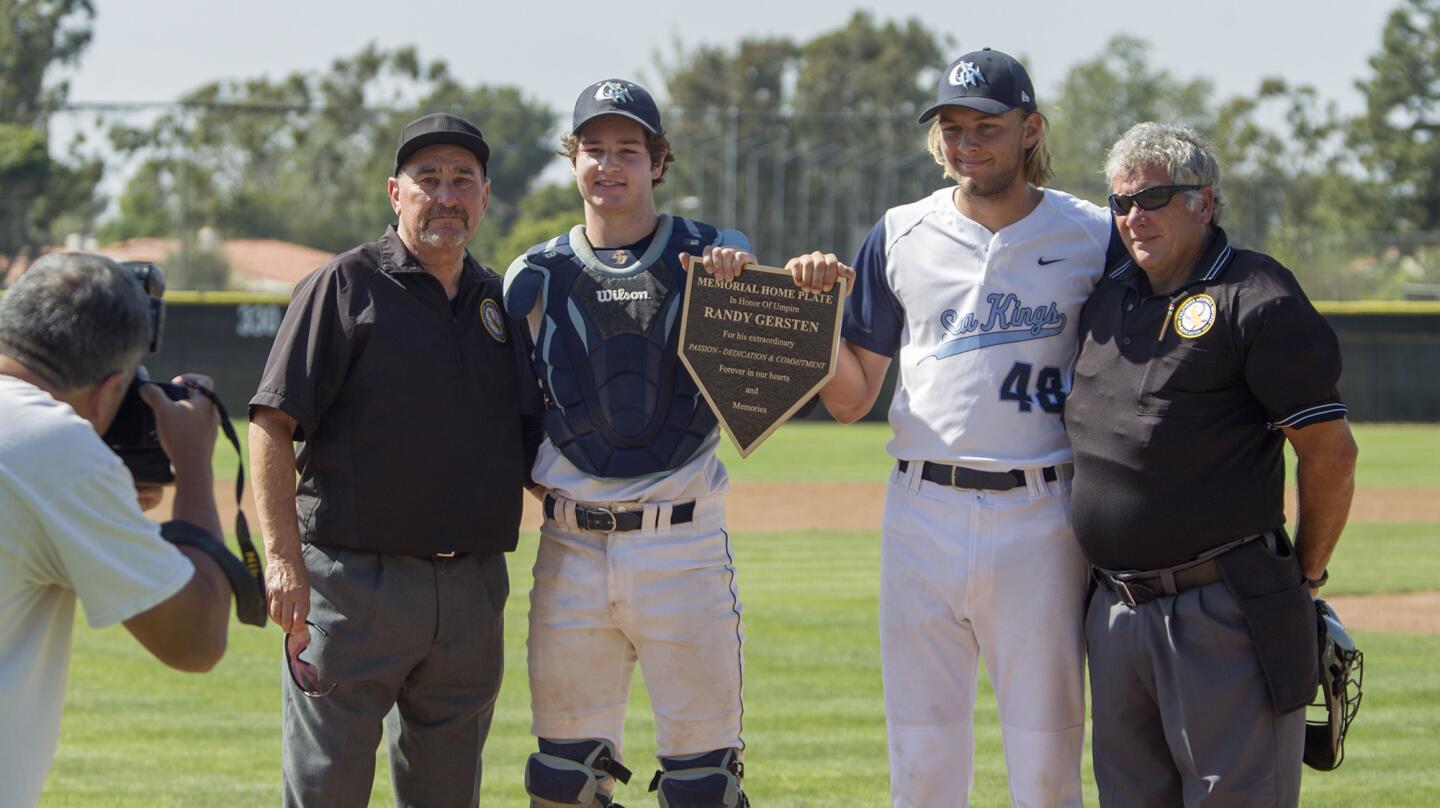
pixel 885 70
pixel 545 212
pixel 723 103
pixel 39 191
pixel 38 36
pixel 24 173
pixel 1100 99
pixel 1299 178
pixel 1292 190
pixel 801 145
pixel 1398 137
pixel 305 158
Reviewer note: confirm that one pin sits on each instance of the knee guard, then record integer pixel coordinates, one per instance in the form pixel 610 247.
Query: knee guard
pixel 706 780
pixel 571 774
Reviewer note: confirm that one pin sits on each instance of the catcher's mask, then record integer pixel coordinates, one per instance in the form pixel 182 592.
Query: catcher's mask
pixel 1342 671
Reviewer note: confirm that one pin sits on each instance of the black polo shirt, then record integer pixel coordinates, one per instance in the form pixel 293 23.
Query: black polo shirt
pixel 407 403
pixel 1178 402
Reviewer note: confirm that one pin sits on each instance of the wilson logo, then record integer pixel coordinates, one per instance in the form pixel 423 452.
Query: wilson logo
pixel 621 295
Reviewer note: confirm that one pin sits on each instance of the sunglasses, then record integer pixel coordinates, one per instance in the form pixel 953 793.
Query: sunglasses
pixel 302 672
pixel 1150 198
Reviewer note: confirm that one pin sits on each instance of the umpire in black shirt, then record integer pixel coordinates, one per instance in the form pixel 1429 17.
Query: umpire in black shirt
pixel 395 371
pixel 1198 362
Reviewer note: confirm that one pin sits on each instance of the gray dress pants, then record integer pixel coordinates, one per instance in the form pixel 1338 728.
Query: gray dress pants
pixel 1182 714
pixel 421 635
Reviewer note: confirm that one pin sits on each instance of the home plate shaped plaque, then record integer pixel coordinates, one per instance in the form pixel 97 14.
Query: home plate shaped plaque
pixel 758 347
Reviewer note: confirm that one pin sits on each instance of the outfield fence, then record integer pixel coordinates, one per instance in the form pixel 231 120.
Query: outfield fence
pixel 1391 351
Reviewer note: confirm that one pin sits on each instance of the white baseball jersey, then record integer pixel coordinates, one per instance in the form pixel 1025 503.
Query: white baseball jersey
pixel 984 325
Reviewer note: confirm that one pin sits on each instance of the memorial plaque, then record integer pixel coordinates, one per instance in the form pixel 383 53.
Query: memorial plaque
pixel 758 346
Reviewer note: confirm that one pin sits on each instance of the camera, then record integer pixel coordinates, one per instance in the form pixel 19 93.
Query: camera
pixel 132 434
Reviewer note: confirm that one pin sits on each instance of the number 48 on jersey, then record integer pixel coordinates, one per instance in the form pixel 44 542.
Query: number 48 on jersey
pixel 1049 391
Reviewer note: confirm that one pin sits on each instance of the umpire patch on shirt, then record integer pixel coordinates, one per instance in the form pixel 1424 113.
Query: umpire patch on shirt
pixel 1195 316
pixel 494 321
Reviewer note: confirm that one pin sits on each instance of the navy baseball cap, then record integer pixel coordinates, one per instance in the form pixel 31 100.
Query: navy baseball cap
pixel 985 80
pixel 440 128
pixel 617 97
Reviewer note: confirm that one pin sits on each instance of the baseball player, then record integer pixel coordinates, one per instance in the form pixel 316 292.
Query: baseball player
pixel 975 289
pixel 634 562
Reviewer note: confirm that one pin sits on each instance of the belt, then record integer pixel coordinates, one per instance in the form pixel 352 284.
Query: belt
pixel 961 477
pixel 607 520
pixel 1136 587
pixel 444 554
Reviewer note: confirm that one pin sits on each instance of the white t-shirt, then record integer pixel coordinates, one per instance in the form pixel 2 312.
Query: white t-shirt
pixel 982 326
pixel 69 526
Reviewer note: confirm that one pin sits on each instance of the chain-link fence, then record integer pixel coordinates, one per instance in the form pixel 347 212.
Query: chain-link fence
pixel 791 193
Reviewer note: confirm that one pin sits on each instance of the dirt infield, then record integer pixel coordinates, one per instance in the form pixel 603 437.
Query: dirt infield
pixel 859 506
pixel 781 506
pixel 1408 613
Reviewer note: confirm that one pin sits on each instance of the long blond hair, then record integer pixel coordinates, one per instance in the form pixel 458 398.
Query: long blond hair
pixel 1037 157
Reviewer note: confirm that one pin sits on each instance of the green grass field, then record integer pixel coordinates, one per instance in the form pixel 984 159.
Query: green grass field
pixel 138 734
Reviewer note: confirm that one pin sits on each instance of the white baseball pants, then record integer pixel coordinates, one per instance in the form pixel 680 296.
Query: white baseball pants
pixel 663 596
pixel 969 574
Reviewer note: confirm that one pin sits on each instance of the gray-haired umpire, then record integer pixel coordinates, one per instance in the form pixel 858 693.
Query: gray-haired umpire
pixel 1198 362
pixel 395 371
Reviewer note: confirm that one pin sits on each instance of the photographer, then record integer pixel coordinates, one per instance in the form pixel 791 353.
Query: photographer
pixel 72 332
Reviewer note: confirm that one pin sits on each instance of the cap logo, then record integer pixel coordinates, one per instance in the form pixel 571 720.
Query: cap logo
pixel 1025 97
pixel 966 74
pixel 614 91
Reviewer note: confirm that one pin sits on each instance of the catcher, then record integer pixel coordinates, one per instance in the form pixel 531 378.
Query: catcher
pixel 634 563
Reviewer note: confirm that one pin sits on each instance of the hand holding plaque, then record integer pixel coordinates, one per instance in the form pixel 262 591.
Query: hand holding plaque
pixel 759 345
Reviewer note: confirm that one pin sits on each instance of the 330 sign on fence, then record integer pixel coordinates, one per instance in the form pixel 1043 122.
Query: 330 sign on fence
pixel 257 319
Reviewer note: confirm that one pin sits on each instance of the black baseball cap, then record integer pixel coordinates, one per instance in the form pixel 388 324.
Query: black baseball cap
pixel 617 97
pixel 440 128
pixel 985 80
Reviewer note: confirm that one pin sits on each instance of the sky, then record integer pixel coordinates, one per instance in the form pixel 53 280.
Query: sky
pixel 154 50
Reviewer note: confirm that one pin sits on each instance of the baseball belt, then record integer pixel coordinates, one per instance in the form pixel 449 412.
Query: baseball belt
pixel 961 477
pixel 608 520
pixel 1135 587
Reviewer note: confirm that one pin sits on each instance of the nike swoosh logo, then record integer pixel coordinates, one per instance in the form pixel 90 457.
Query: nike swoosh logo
pixel 1047 262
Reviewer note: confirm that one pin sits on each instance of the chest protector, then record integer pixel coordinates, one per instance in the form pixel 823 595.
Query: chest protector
pixel 618 401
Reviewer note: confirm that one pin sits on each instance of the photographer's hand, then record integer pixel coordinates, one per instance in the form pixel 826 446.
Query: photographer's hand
pixel 272 458
pixel 149 496
pixel 187 431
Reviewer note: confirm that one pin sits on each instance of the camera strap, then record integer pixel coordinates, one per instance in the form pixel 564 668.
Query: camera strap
pixel 250 586
pixel 249 602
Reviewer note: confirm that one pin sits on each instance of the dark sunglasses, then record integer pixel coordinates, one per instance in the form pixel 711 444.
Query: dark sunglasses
pixel 1150 198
